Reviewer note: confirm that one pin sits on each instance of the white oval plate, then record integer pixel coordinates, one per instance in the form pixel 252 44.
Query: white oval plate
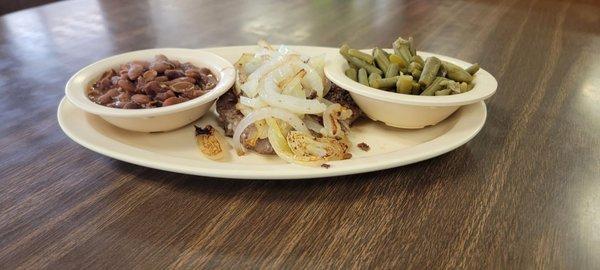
pixel 176 150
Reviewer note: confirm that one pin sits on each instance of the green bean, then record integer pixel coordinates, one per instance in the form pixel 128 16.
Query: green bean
pixel 387 54
pixel 451 85
pixel 351 73
pixel 392 70
pixel 444 92
pixel 401 48
pixel 344 49
pixel 473 69
pixel 362 64
pixel 441 72
pixel 372 77
pixel 416 88
pixel 404 84
pixel 456 73
pixel 380 59
pixel 385 83
pixel 463 87
pixel 470 86
pixel 430 70
pixel 411 47
pixel 418 59
pixel 433 87
pixel 416 74
pixel 362 77
pixel 344 52
pixel 414 66
pixel 361 55
pixel 398 60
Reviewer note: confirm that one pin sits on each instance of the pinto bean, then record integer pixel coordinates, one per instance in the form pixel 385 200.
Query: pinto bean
pixel 124 97
pixel 162 89
pixel 104 99
pixel 94 92
pixel 139 85
pixel 165 95
pixel 114 80
pixel 123 77
pixel 126 85
pixel 208 81
pixel 161 79
pixel 160 66
pixel 153 104
pixel 131 105
pixel 109 73
pixel 173 100
pixel 181 87
pixel 104 84
pixel 159 57
pixel 144 64
pixel 116 104
pixel 135 71
pixel 181 79
pixel 192 73
pixel 187 65
pixel 112 92
pixel 152 88
pixel 205 71
pixel 192 94
pixel 150 75
pixel 140 99
pixel 175 63
pixel 174 73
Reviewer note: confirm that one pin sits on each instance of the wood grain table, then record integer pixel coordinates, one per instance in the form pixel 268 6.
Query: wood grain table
pixel 523 194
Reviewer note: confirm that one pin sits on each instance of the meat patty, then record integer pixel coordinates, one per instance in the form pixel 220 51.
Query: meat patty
pixel 230 116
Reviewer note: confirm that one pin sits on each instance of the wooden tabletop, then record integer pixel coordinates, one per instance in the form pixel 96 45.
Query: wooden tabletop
pixel 524 193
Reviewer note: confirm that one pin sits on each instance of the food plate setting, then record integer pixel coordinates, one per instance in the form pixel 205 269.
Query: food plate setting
pixel 275 112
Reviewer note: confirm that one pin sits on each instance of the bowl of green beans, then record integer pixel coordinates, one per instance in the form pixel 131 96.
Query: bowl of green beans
pixel 405 88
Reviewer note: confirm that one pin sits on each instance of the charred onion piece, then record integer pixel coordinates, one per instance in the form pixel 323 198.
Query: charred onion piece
pixel 210 142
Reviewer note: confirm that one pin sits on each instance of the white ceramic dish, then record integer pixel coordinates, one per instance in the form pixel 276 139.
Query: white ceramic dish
pixel 155 119
pixel 408 111
pixel 176 150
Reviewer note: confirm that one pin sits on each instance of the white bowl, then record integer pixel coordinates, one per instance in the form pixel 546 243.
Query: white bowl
pixel 408 111
pixel 154 119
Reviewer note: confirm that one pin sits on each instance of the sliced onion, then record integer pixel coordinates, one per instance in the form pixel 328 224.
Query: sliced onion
pixel 312 80
pixel 255 103
pixel 251 87
pixel 245 110
pixel 325 101
pixel 294 89
pixel 284 49
pixel 265 113
pixel 240 67
pixel 253 65
pixel 318 64
pixel 312 124
pixel 270 95
pixel 282 149
pixel 265 45
pixel 332 120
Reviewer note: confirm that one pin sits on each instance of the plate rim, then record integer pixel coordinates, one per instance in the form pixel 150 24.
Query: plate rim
pixel 224 173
